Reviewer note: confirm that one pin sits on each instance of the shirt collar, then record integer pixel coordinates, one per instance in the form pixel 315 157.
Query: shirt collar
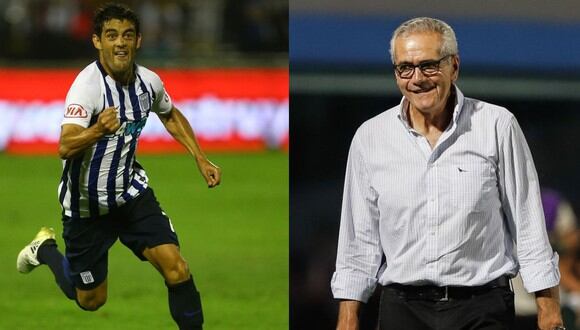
pixel 105 74
pixel 459 98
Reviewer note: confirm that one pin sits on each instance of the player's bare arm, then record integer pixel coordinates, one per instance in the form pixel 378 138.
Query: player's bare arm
pixel 74 139
pixel 178 126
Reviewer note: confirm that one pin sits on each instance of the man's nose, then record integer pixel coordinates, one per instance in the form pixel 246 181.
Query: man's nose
pixel 418 75
pixel 120 41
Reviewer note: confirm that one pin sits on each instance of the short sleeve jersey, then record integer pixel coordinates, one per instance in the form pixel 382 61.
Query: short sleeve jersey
pixel 107 174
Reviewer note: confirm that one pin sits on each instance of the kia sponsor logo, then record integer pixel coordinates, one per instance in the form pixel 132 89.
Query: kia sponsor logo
pixel 75 111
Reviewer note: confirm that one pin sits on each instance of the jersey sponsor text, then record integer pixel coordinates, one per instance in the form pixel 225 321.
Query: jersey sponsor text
pixel 75 111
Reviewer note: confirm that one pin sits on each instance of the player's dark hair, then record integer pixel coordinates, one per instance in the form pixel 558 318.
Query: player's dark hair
pixel 113 11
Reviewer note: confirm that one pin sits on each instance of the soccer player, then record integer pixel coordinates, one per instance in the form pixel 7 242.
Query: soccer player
pixel 104 191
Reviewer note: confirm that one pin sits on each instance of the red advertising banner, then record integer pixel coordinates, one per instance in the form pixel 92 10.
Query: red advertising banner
pixel 229 109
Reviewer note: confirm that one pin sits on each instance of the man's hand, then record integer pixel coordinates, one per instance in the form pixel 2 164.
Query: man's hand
pixel 348 315
pixel 210 172
pixel 548 302
pixel 108 122
pixel 75 139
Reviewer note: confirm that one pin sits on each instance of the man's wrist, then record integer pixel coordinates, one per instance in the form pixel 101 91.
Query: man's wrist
pixel 348 315
pixel 98 131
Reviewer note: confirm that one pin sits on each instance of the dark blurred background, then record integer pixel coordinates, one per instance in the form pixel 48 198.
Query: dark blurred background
pixel 522 55
pixel 175 32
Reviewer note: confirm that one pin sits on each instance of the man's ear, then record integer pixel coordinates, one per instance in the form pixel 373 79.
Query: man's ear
pixel 139 41
pixel 97 42
pixel 455 64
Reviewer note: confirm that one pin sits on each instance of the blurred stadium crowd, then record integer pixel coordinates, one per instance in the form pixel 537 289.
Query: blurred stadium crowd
pixel 61 29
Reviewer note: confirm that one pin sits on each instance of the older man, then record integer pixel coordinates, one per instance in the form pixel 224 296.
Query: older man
pixel 441 203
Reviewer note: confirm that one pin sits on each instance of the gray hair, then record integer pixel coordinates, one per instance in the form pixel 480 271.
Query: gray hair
pixel 427 24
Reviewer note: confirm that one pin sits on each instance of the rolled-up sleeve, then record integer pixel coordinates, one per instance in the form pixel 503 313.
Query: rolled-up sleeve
pixel 522 206
pixel 359 252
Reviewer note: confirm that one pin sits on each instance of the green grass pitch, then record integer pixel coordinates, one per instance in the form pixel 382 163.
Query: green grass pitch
pixel 235 238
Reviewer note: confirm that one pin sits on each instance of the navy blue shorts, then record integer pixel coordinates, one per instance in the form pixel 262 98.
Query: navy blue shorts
pixel 140 223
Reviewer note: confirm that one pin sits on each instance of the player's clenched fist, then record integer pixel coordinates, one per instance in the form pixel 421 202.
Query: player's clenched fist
pixel 108 123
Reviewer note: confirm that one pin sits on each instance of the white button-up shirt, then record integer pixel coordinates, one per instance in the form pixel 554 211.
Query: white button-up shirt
pixel 462 213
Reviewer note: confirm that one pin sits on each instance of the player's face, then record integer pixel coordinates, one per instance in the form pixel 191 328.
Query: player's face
pixel 426 93
pixel 117 45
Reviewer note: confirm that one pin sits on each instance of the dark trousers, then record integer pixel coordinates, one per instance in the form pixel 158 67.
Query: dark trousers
pixel 491 309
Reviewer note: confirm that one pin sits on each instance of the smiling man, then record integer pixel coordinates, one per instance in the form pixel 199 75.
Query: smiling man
pixel 104 191
pixel 441 203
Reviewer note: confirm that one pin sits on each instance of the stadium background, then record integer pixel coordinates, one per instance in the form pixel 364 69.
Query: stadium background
pixel 520 54
pixel 225 64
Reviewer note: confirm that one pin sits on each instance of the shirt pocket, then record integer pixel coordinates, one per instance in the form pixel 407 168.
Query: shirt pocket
pixel 472 186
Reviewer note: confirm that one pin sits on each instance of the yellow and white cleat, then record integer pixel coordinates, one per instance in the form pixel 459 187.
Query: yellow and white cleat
pixel 28 257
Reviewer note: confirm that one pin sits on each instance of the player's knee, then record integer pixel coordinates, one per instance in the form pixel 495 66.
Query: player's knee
pixel 91 305
pixel 178 272
pixel 91 302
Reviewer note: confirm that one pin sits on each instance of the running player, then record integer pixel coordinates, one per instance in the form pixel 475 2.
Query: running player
pixel 104 191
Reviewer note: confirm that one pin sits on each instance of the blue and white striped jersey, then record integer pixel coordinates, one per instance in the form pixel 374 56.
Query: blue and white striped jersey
pixel 107 174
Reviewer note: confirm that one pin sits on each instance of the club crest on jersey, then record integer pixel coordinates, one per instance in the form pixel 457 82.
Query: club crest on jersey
pixel 144 101
pixel 75 111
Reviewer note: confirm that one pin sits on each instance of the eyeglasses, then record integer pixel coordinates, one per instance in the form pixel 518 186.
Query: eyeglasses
pixel 428 68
